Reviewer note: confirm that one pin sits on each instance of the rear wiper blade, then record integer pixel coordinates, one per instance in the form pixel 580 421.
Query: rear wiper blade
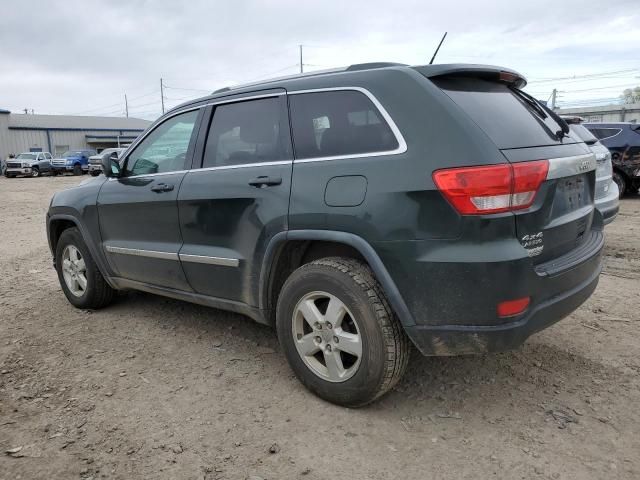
pixel 542 108
pixel 531 101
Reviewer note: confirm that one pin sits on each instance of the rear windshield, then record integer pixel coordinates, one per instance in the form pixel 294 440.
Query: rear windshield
pixel 584 134
pixel 504 115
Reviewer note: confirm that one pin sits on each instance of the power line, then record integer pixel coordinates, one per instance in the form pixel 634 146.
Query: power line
pixel 586 76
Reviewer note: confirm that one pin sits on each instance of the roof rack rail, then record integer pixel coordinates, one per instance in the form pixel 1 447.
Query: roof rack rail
pixel 371 65
pixel 350 68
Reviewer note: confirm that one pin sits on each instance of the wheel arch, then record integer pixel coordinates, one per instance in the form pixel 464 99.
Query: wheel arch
pixel 302 246
pixel 58 223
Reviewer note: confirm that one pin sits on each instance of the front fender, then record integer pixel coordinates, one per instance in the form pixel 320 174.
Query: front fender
pixel 362 246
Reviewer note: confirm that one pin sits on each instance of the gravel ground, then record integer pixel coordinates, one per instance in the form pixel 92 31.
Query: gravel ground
pixel 157 388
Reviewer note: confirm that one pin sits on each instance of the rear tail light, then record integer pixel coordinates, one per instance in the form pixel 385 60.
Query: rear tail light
pixel 512 308
pixel 491 188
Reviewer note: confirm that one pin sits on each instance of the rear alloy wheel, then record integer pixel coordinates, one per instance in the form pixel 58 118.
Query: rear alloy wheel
pixel 77 170
pixel 35 172
pixel 330 345
pixel 338 332
pixel 622 184
pixel 80 278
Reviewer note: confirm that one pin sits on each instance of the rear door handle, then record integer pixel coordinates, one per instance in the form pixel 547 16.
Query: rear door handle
pixel 265 181
pixel 162 187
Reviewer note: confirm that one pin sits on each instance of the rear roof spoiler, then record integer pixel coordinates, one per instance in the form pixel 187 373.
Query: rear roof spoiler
pixel 489 72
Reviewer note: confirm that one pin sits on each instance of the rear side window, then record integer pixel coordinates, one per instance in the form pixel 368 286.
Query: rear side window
pixel 336 123
pixel 246 132
pixel 506 117
pixel 602 133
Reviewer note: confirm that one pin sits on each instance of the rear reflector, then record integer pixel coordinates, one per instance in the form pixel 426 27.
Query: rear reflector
pixel 492 188
pixel 511 308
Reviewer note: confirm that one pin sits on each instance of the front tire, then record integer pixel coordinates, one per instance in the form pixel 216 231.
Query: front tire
pixel 77 170
pixel 80 279
pixel 94 173
pixel 35 172
pixel 339 333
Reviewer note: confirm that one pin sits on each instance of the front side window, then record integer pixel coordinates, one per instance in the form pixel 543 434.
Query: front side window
pixel 246 132
pixel 165 148
pixel 336 123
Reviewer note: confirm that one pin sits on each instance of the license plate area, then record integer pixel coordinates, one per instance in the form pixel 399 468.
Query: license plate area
pixel 572 193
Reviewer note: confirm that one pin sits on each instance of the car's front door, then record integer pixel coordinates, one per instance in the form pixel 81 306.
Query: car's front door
pixel 233 206
pixel 138 210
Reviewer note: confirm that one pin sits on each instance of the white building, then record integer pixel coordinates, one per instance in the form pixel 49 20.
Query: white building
pixel 606 114
pixel 59 133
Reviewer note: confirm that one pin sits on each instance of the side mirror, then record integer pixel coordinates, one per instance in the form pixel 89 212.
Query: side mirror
pixel 110 165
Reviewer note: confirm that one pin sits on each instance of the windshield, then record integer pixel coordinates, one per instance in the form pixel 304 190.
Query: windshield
pixel 109 151
pixel 26 156
pixel 71 153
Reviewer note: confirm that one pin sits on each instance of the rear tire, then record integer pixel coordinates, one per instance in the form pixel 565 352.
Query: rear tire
pixel 91 290
pixel 77 170
pixel 621 182
pixel 366 326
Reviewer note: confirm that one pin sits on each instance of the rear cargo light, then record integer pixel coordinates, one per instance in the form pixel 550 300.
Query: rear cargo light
pixel 492 188
pixel 511 308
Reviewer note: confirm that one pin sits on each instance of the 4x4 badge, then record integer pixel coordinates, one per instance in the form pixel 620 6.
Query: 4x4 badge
pixel 533 243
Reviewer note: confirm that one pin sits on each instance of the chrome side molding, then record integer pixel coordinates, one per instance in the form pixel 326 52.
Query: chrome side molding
pixel 221 261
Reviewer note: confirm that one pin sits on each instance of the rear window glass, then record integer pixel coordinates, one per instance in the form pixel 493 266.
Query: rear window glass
pixel 330 124
pixel 503 115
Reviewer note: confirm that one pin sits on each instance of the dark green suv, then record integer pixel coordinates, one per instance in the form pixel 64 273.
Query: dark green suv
pixel 359 211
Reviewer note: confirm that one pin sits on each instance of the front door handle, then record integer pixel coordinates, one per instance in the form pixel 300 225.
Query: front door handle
pixel 162 187
pixel 264 181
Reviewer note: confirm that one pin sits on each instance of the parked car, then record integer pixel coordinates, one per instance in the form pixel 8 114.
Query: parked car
pixel 623 141
pixel 95 161
pixel 75 161
pixel 607 193
pixel 32 164
pixel 357 211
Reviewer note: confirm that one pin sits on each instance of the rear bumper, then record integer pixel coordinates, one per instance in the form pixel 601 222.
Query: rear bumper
pixel 462 339
pixel 609 205
pixel 454 303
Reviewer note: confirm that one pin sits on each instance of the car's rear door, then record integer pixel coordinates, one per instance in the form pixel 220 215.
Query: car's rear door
pixel 231 207
pixel 138 211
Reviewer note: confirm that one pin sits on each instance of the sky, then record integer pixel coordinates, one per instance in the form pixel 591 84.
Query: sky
pixel 83 56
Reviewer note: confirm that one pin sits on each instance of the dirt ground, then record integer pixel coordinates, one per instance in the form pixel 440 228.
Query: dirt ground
pixel 157 388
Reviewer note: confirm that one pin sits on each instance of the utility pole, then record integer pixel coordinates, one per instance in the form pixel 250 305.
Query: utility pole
pixel 301 64
pixel 126 108
pixel 162 95
pixel 554 95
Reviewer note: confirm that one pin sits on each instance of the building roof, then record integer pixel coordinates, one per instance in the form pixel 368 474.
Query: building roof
pixel 75 122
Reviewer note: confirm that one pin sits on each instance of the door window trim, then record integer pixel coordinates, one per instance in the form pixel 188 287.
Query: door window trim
pixel 402 144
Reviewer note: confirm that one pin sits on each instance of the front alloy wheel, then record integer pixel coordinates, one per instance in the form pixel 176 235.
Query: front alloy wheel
pixel 327 336
pixel 74 270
